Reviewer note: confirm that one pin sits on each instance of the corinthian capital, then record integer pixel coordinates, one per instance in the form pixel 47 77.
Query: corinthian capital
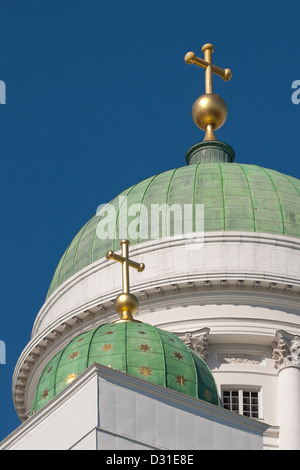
pixel 286 350
pixel 197 341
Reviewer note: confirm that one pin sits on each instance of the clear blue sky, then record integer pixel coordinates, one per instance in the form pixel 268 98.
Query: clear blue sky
pixel 99 97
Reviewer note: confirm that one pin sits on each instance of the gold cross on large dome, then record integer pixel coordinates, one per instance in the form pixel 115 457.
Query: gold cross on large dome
pixel 209 111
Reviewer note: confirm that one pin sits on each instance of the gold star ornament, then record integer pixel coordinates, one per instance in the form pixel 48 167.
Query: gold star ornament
pixel 74 354
pixel 178 355
pixel 144 347
pixel 70 378
pixel 45 394
pixel 145 371
pixel 180 380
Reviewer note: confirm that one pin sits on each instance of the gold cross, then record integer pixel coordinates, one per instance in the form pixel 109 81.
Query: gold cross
pixel 126 304
pixel 210 68
pixel 126 263
pixel 209 111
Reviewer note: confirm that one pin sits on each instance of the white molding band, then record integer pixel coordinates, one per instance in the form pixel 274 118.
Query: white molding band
pixel 222 255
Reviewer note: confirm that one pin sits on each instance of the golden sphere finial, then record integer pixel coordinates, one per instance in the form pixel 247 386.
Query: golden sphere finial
pixel 209 110
pixel 126 305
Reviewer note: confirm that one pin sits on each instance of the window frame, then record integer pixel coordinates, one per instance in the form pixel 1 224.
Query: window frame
pixel 241 389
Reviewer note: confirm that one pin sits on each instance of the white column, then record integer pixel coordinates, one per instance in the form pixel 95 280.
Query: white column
pixel 287 361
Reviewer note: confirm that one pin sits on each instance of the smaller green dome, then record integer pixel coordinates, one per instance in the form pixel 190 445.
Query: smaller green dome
pixel 138 349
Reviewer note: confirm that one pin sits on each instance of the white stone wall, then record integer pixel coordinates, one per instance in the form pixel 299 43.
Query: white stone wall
pixel 108 410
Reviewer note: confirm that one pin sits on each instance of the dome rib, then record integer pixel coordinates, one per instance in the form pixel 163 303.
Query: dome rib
pixel 114 247
pixel 167 201
pixel 250 194
pixel 56 276
pixel 164 356
pixel 67 271
pixel 80 238
pixel 194 197
pixel 95 233
pixel 195 367
pixel 126 348
pixel 56 369
pixel 278 197
pixel 142 202
pixel 90 343
pixel 223 196
pixel 290 178
pixel 170 184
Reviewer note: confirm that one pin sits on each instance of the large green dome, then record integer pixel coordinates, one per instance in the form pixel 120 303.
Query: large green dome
pixel 135 348
pixel 236 197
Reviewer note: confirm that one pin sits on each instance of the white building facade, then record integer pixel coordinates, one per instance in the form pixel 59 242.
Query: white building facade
pixel 235 302
pixel 225 279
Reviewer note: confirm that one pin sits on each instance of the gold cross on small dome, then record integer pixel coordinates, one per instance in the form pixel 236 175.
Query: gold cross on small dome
pixel 209 111
pixel 126 304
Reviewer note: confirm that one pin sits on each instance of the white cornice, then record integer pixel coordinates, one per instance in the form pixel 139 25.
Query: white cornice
pixel 174 260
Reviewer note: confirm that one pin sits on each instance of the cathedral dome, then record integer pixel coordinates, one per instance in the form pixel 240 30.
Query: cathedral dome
pixel 135 348
pixel 235 197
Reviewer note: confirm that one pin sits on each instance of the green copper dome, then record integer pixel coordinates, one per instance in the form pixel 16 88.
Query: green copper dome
pixel 138 349
pixel 236 197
